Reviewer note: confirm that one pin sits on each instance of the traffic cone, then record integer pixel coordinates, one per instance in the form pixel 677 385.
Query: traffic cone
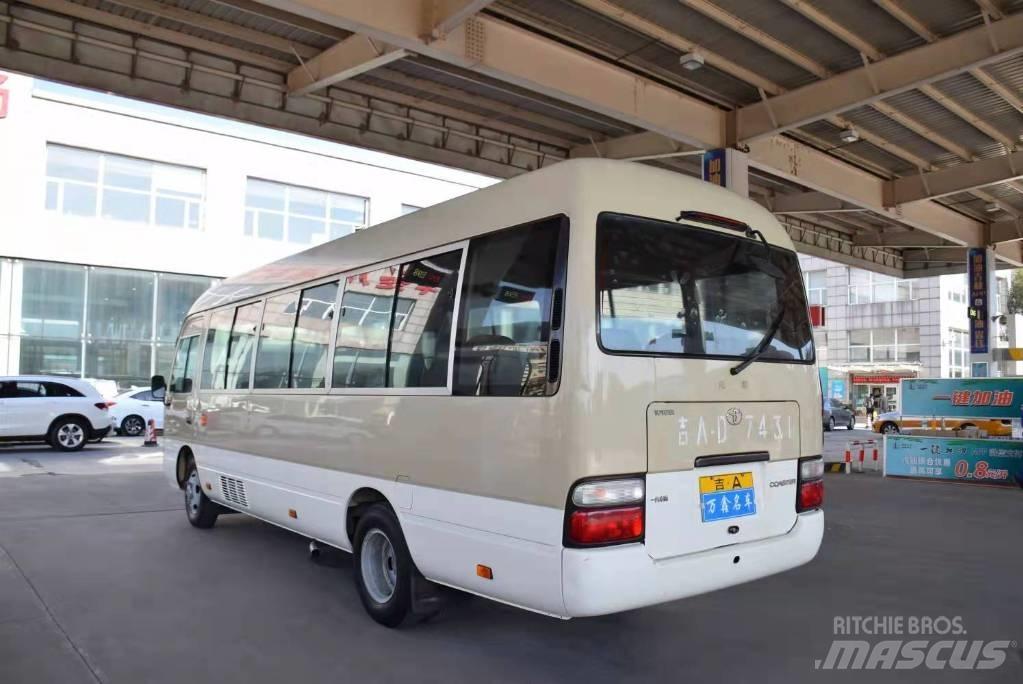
pixel 150 434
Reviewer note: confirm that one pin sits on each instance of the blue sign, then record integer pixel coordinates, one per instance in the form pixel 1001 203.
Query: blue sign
pixel 976 285
pixel 963 397
pixel 714 167
pixel 980 461
pixel 837 389
pixel 735 503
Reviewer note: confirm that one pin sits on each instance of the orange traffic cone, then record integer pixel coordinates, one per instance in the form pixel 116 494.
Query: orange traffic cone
pixel 150 434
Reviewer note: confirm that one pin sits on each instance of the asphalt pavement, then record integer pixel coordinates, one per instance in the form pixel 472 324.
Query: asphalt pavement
pixel 103 580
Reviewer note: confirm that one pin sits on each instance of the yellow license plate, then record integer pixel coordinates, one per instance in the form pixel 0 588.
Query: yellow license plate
pixel 726 496
pixel 725 482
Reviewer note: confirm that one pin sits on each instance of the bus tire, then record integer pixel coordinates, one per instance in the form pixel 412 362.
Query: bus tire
pixel 382 566
pixel 201 512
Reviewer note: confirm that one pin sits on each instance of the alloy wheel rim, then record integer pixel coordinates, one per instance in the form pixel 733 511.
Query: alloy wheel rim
pixel 133 426
pixel 379 566
pixel 193 494
pixel 70 435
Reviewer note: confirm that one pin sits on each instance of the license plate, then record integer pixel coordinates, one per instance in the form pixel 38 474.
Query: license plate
pixel 729 495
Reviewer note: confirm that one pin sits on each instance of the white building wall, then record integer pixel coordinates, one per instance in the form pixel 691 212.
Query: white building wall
pixel 41 114
pixel 229 153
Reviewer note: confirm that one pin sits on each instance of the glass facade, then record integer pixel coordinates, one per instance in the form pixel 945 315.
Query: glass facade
pixel 110 186
pixel 106 323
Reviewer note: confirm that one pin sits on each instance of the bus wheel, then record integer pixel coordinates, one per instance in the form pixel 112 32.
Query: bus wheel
pixel 383 567
pixel 202 512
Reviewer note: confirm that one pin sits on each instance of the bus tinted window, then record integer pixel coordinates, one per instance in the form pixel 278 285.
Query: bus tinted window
pixel 361 349
pixel 274 356
pixel 312 336
pixel 669 288
pixel 185 362
pixel 421 344
pixel 214 364
pixel 243 343
pixel 504 324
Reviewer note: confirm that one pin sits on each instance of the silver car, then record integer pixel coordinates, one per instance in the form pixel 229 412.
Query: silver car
pixel 837 414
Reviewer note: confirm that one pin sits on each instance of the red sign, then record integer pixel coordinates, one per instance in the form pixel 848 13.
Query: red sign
pixel 817 316
pixel 879 379
pixel 5 97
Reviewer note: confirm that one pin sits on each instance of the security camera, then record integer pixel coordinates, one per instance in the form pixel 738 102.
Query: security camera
pixel 849 135
pixel 691 60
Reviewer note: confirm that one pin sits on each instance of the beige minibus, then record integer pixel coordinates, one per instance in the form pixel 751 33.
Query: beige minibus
pixel 587 389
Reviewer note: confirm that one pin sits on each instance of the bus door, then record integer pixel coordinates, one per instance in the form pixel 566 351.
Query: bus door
pixel 181 412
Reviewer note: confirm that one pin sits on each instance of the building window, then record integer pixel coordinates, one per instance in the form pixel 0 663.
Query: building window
pixel 287 213
pixel 866 287
pixel 958 353
pixel 816 287
pixel 884 345
pixel 109 186
pixel 106 323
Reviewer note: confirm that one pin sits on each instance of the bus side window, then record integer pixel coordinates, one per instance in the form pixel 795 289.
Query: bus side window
pixel 505 319
pixel 312 336
pixel 421 345
pixel 242 345
pixel 214 364
pixel 273 358
pixel 361 349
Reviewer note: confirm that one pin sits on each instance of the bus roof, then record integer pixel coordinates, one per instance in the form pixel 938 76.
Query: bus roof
pixel 572 187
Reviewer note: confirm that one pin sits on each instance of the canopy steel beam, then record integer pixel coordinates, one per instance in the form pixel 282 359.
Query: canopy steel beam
pixel 352 56
pixel 674 40
pixel 823 173
pixel 224 28
pixel 809 203
pixel 953 179
pixel 513 55
pixel 447 15
pixel 907 70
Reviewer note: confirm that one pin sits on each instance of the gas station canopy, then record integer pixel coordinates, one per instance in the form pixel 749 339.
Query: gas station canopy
pixel 884 134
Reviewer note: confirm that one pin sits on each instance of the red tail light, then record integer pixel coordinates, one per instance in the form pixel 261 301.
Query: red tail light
pixel 104 405
pixel 609 525
pixel 811 495
pixel 810 484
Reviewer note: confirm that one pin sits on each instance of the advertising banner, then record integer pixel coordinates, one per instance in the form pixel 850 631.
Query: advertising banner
pixel 714 170
pixel 976 272
pixel 963 397
pixel 980 461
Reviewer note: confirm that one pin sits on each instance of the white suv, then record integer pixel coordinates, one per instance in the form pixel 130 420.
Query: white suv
pixel 63 412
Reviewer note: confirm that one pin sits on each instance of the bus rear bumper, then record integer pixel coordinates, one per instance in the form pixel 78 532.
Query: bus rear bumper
pixel 617 578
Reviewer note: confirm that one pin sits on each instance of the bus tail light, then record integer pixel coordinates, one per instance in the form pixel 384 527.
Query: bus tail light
pixel 602 512
pixel 600 526
pixel 810 484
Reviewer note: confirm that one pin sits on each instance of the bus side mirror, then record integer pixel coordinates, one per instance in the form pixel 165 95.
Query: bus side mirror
pixel 158 386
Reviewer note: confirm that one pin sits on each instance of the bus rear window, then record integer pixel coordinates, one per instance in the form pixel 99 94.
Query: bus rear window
pixel 676 289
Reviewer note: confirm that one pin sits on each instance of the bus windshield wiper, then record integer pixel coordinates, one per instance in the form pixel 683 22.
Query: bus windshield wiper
pixel 762 347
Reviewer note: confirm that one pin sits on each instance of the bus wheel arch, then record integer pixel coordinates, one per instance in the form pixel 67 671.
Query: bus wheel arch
pixel 359 502
pixel 181 468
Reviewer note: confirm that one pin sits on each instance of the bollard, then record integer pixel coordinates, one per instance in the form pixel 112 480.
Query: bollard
pixel 150 434
pixel 874 456
pixel 848 458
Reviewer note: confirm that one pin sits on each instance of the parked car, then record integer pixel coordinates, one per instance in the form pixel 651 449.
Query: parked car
pixel 893 423
pixel 131 411
pixel 837 414
pixel 62 412
pixel 106 388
